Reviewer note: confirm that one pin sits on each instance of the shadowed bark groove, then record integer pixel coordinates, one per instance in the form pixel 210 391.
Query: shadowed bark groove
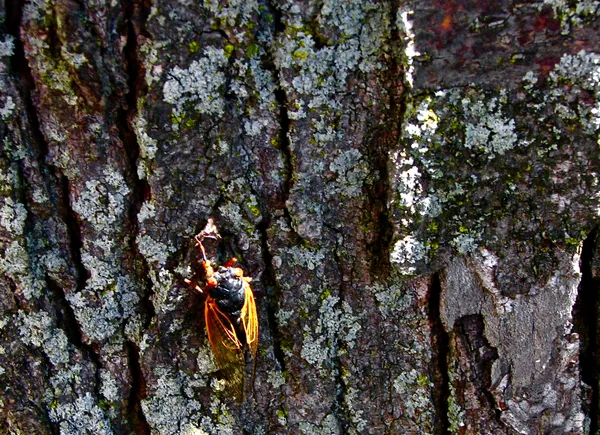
pixel 284 120
pixel 273 293
pixel 481 356
pixel 585 320
pixel 387 138
pixel 134 14
pixel 440 344
pixel 137 419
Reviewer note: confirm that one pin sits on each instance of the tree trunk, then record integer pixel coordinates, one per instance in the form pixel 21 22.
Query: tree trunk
pixel 412 186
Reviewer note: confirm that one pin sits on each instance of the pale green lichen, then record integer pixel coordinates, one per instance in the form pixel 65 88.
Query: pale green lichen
pixel 151 50
pixel 54 71
pixel 486 127
pixel 198 87
pixel 408 185
pixel 148 146
pixel 352 42
pixel 466 123
pixel 305 257
pixel 350 398
pixel 405 27
pixel 110 296
pixel 7 110
pixel 109 387
pixel 330 425
pixel 102 203
pixel 581 72
pixel 15 262
pixel 406 253
pixel 284 316
pixel 351 173
pixel 335 330
pixel 392 299
pixel 147 211
pixel 169 409
pixel 7 46
pixel 81 417
pixel 162 281
pixel 415 390
pixel 153 251
pixel 456 414
pixel 117 304
pixel 276 379
pixel 38 329
pixel 12 216
pixel 466 242
pixel 323 72
pixel 75 59
pixel 232 12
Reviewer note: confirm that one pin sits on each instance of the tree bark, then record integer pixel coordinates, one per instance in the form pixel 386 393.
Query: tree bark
pixel 412 186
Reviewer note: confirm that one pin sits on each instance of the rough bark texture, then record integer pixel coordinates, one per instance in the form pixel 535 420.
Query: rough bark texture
pixel 412 186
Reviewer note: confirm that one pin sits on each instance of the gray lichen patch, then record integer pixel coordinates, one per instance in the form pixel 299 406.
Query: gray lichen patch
pixel 325 58
pixel 38 329
pixel 415 388
pixel 69 400
pixel 199 87
pixel 83 416
pixel 487 129
pixel 234 12
pixel 169 410
pixel 572 78
pixel 335 331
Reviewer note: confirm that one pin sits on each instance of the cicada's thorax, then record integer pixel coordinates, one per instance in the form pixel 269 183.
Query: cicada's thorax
pixel 229 294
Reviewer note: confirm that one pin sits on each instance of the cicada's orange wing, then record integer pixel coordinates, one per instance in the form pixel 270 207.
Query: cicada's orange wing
pixel 227 347
pixel 250 319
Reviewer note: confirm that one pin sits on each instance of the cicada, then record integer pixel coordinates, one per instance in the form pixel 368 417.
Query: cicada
pixel 230 316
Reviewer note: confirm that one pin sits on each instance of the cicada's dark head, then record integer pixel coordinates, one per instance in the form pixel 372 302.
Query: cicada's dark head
pixel 229 292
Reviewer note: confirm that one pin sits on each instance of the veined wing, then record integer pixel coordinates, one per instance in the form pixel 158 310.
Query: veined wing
pixel 227 348
pixel 250 320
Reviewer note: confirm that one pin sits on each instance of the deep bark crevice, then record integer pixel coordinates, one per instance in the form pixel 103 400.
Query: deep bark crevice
pixel 140 188
pixel 481 356
pixel 23 75
pixel 269 282
pixel 585 320
pixel 441 348
pixel 134 16
pixel 281 98
pixel 137 419
pixel 341 411
pixel 385 139
pixel 74 232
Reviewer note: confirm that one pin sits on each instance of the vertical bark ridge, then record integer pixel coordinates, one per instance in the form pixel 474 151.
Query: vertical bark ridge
pixel 57 183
